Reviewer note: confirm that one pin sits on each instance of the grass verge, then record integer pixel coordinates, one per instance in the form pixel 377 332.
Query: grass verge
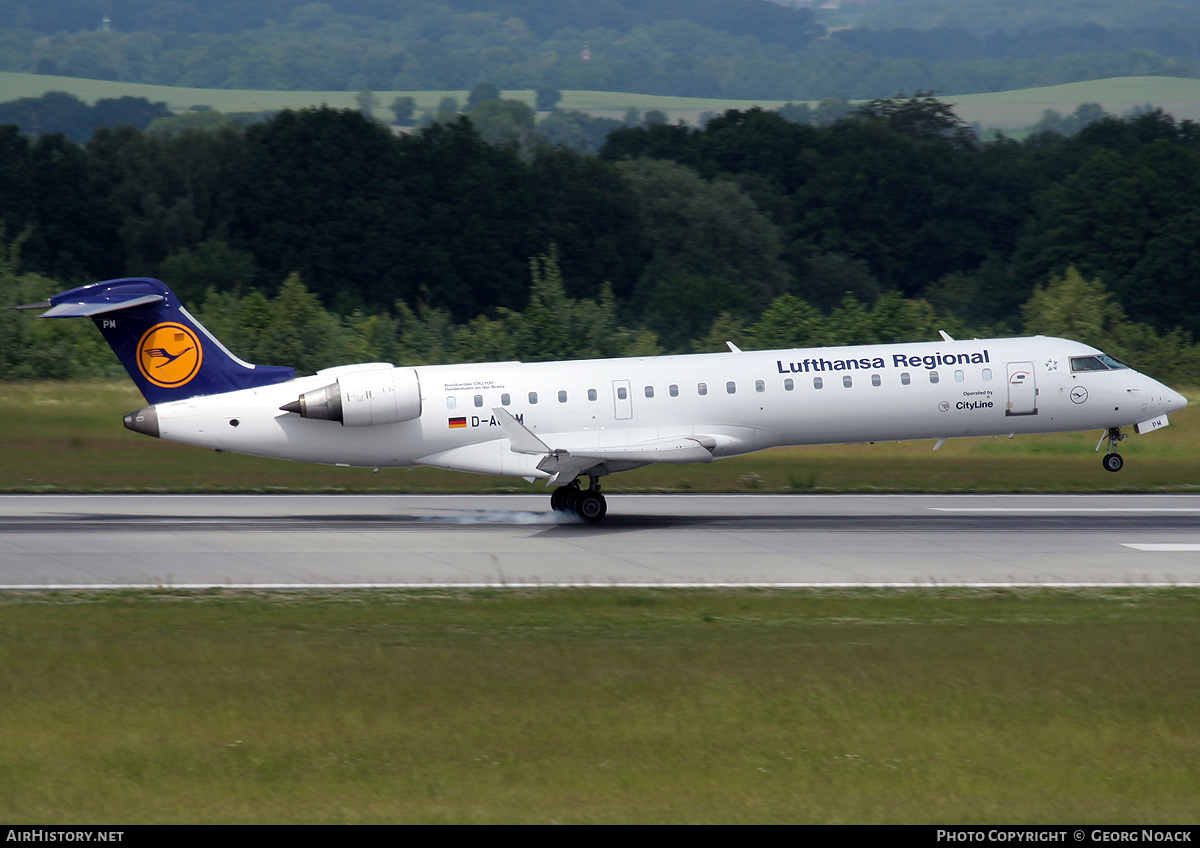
pixel 593 706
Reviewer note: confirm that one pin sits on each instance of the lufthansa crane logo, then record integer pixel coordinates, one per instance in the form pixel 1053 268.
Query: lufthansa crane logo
pixel 169 355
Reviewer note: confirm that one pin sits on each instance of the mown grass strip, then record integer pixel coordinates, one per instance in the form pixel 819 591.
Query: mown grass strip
pixel 586 706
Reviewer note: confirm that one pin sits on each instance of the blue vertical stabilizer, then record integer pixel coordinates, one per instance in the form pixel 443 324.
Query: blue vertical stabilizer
pixel 166 351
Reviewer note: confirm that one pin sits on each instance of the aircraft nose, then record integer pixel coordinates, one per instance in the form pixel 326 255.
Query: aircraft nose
pixel 1168 399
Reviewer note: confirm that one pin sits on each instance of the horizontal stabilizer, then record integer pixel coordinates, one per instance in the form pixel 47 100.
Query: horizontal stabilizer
pixel 87 310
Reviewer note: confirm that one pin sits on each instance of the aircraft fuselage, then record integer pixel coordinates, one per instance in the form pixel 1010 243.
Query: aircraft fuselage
pixel 739 401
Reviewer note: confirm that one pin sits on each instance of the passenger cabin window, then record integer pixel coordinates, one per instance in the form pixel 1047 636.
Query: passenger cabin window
pixel 905 378
pixel 505 399
pixel 760 386
pixel 673 390
pixel 959 376
pixel 847 381
pixel 533 397
pixel 818 382
pixel 562 397
pixel 702 388
pixel 622 392
pixel 987 374
pixel 731 387
pixel 789 385
pixel 933 376
pixel 649 391
pixel 591 394
pixel 479 400
pixel 450 402
pixel 876 380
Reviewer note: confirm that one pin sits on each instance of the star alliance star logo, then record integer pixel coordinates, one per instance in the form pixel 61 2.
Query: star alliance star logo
pixel 1051 364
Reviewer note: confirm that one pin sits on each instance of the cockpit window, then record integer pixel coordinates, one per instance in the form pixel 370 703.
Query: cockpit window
pixel 1087 363
pixel 1099 362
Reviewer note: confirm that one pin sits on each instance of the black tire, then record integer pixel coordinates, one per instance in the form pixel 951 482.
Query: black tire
pixel 564 498
pixel 591 507
pixel 1113 462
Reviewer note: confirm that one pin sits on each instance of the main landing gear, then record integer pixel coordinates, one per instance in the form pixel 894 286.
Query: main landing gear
pixel 1112 460
pixel 588 503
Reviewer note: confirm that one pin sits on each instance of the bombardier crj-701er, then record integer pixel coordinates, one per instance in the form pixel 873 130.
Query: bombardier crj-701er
pixel 563 421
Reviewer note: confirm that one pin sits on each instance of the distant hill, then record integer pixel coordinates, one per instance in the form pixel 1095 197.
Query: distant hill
pixel 728 49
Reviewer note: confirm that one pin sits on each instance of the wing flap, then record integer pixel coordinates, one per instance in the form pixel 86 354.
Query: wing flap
pixel 681 449
pixel 567 463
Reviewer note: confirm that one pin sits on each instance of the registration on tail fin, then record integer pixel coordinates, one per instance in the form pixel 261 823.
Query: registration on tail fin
pixel 166 351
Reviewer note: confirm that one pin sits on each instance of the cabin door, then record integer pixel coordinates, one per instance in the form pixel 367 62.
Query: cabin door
pixel 622 400
pixel 1022 389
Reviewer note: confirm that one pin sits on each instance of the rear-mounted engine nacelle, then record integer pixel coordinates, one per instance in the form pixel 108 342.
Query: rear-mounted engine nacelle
pixel 363 398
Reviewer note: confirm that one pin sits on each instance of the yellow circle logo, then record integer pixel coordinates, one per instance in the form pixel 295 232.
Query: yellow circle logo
pixel 169 355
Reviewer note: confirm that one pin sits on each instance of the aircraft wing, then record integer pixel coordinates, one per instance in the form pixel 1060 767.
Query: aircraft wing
pixel 565 463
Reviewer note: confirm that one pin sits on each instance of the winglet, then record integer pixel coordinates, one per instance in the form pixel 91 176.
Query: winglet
pixel 520 437
pixel 945 336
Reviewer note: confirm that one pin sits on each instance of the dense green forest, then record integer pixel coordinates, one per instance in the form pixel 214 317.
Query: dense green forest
pixel 325 228
pixel 703 48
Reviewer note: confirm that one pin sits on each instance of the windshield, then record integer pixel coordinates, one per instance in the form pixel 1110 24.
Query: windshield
pixel 1099 362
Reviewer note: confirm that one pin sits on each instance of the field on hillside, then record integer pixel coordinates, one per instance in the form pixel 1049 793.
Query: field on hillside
pixel 1006 110
pixel 68 437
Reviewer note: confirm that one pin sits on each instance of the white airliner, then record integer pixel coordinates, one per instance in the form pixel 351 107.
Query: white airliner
pixel 562 421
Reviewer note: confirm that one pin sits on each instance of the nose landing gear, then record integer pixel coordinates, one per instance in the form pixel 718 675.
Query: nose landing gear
pixel 588 504
pixel 1112 460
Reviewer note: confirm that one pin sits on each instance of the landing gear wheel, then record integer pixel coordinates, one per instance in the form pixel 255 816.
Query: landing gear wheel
pixel 565 497
pixel 591 506
pixel 1113 462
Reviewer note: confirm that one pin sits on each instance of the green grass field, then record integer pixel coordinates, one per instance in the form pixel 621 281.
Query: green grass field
pixel 1006 110
pixel 601 706
pixel 68 437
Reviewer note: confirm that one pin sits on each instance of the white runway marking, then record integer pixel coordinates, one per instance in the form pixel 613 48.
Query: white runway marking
pixel 1163 546
pixel 1061 509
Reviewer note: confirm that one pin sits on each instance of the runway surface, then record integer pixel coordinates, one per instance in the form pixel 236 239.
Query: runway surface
pixel 296 541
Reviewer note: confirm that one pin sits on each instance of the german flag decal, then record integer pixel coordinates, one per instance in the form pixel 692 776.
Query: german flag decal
pixel 455 423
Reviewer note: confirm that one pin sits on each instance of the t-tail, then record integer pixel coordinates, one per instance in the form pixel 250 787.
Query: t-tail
pixel 166 351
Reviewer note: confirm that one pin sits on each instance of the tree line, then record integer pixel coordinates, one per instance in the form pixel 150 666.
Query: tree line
pixel 293 328
pixel 669 238
pixel 701 48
